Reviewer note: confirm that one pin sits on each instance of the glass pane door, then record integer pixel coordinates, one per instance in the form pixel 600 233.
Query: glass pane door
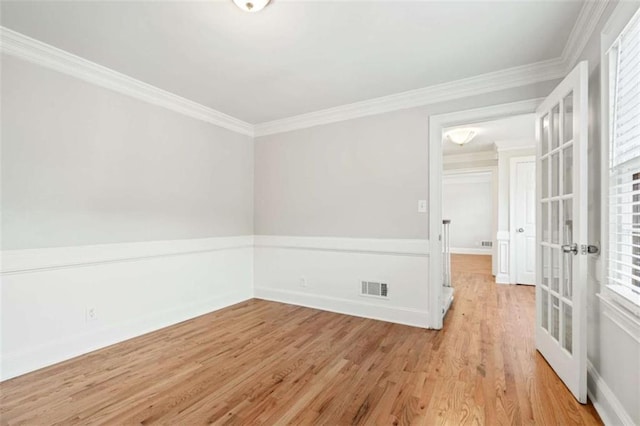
pixel 561 272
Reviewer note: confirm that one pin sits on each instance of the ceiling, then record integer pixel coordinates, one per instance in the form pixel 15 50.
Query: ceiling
pixel 296 57
pixel 512 132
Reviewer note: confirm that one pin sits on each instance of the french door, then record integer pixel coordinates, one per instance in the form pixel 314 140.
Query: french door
pixel 561 266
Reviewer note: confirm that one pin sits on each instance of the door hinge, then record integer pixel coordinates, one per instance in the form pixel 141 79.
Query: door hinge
pixel 589 249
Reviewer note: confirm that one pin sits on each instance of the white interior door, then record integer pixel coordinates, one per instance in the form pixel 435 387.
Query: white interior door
pixel 561 273
pixel 525 220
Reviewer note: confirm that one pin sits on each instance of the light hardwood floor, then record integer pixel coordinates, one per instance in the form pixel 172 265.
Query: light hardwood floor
pixel 268 363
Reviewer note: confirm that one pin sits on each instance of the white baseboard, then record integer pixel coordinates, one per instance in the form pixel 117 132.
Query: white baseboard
pixel 604 400
pixel 327 273
pixel 466 250
pixel 503 279
pixel 35 358
pixel 412 317
pixel 134 288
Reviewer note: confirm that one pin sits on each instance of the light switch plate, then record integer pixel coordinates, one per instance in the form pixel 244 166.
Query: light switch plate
pixel 422 206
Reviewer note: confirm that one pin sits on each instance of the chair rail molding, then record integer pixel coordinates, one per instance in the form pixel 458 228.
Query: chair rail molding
pixel 45 259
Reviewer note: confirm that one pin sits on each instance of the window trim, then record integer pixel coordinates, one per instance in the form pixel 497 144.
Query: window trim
pixel 622 16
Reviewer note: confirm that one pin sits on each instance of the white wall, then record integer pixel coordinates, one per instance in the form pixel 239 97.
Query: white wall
pixel 112 203
pixel 467 200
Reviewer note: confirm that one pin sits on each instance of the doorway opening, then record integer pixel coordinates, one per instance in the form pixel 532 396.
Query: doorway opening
pixel 561 127
pixel 488 192
pixel 472 183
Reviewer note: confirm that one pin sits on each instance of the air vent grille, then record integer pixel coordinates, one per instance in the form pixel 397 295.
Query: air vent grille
pixel 374 289
pixel 486 243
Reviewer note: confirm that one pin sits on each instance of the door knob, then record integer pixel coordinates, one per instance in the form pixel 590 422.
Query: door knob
pixel 570 248
pixel 520 230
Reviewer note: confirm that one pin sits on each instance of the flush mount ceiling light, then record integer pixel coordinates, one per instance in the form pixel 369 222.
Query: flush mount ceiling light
pixel 251 5
pixel 461 136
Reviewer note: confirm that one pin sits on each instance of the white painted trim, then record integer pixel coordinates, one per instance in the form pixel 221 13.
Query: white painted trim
pixel 19 45
pixel 435 294
pixel 513 261
pixel 472 156
pixel 436 125
pixel 619 19
pixel 472 86
pixel 609 408
pixel 44 355
pixel 27 48
pixel 457 176
pixel 476 251
pixel 626 321
pixel 37 260
pixel 551 69
pixel 582 30
pixel 513 148
pixel 503 275
pixel 407 316
pixel 399 247
pixel 473 170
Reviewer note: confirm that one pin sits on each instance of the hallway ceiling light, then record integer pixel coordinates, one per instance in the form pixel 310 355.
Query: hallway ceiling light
pixel 460 136
pixel 251 5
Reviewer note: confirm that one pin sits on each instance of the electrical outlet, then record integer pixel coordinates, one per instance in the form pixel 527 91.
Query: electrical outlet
pixel 91 314
pixel 303 282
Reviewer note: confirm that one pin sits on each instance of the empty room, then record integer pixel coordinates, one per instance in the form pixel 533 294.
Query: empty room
pixel 320 212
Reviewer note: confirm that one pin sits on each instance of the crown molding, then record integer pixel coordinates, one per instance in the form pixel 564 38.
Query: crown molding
pixel 16 44
pixel 19 45
pixel 468 157
pixel 472 86
pixel 588 19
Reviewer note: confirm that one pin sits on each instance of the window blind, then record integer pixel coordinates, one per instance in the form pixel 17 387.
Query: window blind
pixel 624 163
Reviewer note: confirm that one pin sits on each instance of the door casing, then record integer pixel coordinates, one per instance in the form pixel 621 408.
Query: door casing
pixel 436 125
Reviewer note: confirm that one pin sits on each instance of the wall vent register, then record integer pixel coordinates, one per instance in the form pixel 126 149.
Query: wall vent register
pixel 374 289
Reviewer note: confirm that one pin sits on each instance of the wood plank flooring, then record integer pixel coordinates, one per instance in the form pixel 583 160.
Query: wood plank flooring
pixel 267 363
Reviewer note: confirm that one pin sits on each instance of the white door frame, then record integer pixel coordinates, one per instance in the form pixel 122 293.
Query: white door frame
pixel 512 213
pixel 436 124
